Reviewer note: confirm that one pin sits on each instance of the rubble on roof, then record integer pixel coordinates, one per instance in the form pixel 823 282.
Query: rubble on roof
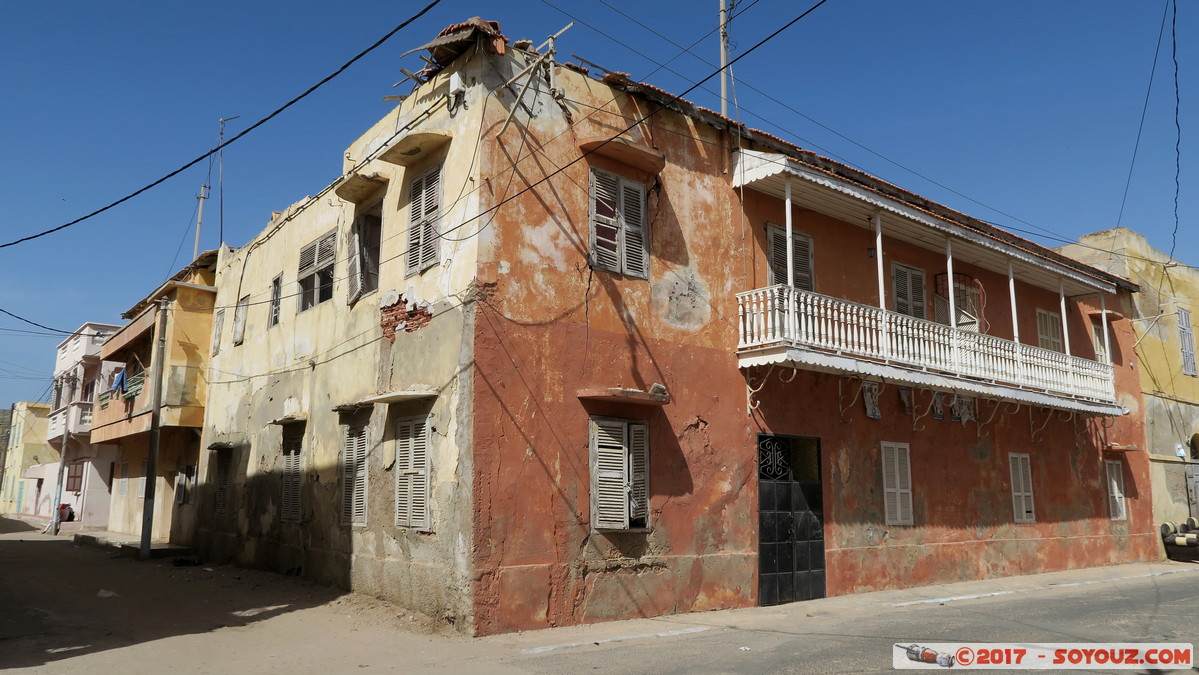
pixel 453 41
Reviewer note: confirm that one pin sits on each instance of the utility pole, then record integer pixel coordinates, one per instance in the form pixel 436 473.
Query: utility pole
pixel 724 60
pixel 155 424
pixel 221 179
pixel 199 220
pixel 62 461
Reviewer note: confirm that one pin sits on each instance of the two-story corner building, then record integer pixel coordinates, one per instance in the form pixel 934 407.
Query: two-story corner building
pixel 558 349
pixel 174 324
pixel 1165 356
pixel 30 463
pixel 88 469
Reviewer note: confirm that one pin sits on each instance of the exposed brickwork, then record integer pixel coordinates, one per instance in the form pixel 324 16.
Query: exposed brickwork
pixel 398 316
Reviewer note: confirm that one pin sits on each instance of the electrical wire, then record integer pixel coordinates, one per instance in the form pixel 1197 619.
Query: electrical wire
pixel 233 139
pixel 1177 126
pixel 1144 109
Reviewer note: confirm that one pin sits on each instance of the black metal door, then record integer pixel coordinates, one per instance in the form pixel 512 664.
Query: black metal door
pixel 790 520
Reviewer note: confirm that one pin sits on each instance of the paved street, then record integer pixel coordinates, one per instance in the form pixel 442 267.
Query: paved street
pixel 66 609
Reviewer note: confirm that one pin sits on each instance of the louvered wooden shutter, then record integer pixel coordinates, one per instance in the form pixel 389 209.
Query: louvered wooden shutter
pixel 223 459
pixel 605 225
pixel 415 209
pixel 354 467
pixel 1049 331
pixel 218 324
pixel 1115 490
pixel 355 258
pixel 903 289
pixel 916 292
pixel 801 257
pixel 292 446
pixel 412 474
pixel 307 259
pixel 609 475
pixel 897 483
pixel 634 229
pixel 1022 498
pixel 239 320
pixel 639 472
pixel 432 207
pixel 1186 336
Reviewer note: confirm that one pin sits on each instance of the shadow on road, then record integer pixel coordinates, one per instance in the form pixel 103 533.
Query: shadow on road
pixel 62 600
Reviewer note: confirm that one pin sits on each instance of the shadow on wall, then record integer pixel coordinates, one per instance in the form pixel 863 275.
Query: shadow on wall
pixel 62 601
pixel 241 520
pixel 960 472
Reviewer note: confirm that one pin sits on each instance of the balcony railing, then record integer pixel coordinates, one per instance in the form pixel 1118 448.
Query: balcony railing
pixel 80 415
pixel 781 315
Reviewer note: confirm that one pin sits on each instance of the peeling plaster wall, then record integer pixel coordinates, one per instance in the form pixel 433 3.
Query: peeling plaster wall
pixel 1171 398
pixel 547 326
pixel 409 335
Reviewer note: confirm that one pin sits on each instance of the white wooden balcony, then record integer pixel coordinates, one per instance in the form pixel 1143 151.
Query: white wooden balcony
pixel 780 324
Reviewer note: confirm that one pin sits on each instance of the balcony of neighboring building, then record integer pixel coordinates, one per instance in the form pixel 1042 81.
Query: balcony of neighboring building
pixel 124 402
pixel 861 278
pixel 75 416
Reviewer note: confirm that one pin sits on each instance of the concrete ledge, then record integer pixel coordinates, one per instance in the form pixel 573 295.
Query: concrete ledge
pixel 130 545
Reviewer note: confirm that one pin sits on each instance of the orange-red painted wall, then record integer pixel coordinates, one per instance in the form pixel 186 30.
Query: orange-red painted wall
pixel 546 327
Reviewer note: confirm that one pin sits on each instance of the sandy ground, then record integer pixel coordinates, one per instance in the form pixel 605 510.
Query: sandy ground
pixel 66 608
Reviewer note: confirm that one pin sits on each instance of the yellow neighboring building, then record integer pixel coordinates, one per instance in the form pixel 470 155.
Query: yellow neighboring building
pixel 124 406
pixel 27 487
pixel 1164 312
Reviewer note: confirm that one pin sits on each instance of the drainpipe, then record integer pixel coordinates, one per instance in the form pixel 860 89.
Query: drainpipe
pixel 155 422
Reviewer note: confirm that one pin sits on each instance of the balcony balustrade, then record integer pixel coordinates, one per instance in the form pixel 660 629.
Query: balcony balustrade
pixel 781 316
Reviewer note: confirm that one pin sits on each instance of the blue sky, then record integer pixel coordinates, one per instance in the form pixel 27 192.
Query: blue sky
pixel 1030 108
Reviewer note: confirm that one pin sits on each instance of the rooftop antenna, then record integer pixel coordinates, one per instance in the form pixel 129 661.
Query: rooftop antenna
pixel 200 219
pixel 221 179
pixel 724 61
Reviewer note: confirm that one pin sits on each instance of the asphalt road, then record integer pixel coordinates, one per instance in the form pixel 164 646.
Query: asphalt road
pixel 1157 609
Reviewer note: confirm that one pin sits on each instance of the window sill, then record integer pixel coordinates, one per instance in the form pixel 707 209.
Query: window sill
pixel 631 530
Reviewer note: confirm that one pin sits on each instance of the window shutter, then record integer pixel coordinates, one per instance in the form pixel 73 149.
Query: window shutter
pixel 916 292
pixel 776 244
pixel 355 259
pixel 903 472
pixel 326 250
pixel 902 285
pixel 420 476
pixel 354 476
pixel 292 447
pixel 415 210
pixel 412 474
pixel 609 475
pixel 1186 336
pixel 605 228
pixel 634 229
pixel 639 471
pixel 801 257
pixel 1022 497
pixel 239 320
pixel 802 260
pixel 307 259
pixel 1115 490
pixel 222 481
pixel 218 324
pixel 432 207
pixel 1049 331
pixel 897 483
